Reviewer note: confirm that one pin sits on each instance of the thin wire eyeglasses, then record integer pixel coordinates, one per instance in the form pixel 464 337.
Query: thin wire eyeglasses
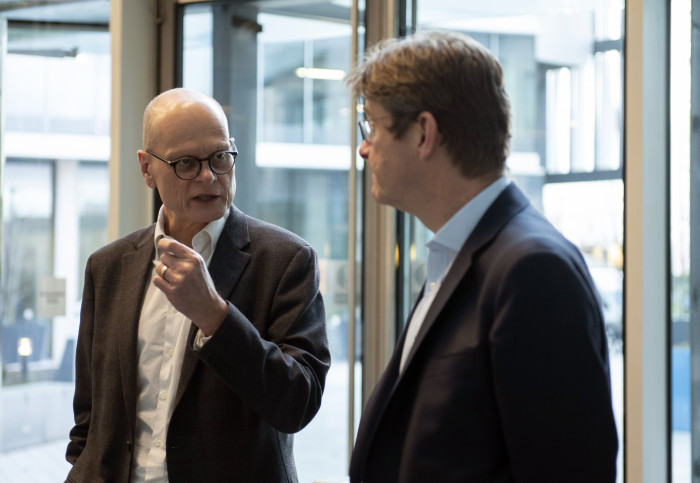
pixel 365 129
pixel 189 167
pixel 367 126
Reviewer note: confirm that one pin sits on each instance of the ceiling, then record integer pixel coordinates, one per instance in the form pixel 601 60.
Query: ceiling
pixel 88 20
pixel 97 11
pixel 60 11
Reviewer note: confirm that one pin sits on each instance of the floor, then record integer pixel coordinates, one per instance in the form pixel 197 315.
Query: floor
pixel 320 448
pixel 45 463
pixel 36 464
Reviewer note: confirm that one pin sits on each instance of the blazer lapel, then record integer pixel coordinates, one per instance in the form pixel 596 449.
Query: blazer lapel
pixel 510 202
pixel 226 267
pixel 136 266
pixel 229 259
pixel 374 410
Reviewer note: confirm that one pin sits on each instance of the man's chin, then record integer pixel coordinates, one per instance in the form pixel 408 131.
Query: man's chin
pixel 380 197
pixel 208 215
pixel 376 194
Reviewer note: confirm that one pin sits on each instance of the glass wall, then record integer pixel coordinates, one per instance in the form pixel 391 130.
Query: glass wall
pixel 682 276
pixel 278 73
pixel 55 189
pixel 276 69
pixel 563 67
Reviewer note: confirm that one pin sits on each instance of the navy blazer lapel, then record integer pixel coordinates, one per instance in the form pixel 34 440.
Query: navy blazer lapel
pixel 510 202
pixel 376 405
pixel 136 266
pixel 226 267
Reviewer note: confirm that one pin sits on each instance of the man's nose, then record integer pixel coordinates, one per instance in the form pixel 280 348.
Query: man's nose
pixel 206 173
pixel 364 149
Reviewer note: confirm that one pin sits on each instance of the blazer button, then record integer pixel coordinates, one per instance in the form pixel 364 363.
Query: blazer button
pixel 128 446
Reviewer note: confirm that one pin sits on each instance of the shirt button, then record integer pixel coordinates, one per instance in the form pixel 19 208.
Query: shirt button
pixel 158 443
pixel 164 395
pixel 171 351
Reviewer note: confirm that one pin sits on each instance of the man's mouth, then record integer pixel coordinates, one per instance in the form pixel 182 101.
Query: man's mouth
pixel 204 197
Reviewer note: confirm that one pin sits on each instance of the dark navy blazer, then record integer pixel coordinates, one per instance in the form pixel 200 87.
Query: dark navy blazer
pixel 508 380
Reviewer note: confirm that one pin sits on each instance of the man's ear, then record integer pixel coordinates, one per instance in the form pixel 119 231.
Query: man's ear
pixel 145 162
pixel 430 135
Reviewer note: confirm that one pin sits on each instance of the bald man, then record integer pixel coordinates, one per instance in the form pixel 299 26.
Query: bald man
pixel 202 344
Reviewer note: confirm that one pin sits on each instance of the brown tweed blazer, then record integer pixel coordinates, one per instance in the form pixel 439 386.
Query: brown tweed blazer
pixel 258 380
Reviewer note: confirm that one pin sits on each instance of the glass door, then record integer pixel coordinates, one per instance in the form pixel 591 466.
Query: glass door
pixel 278 72
pixel 563 68
pixel 56 71
pixel 684 222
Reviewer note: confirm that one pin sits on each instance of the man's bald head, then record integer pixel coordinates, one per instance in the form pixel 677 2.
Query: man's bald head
pixel 182 124
pixel 172 102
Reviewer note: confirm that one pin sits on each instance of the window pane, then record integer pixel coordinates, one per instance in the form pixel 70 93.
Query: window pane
pixel 563 72
pixel 27 258
pixel 289 111
pixel 56 100
pixel 682 274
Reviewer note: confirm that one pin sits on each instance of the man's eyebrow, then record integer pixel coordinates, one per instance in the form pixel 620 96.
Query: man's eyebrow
pixel 227 148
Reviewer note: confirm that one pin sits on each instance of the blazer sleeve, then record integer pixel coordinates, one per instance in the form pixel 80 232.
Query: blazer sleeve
pixel 279 374
pixel 550 370
pixel 82 399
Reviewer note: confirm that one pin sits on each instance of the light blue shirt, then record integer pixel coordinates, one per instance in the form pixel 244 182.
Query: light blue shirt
pixel 448 241
pixel 442 251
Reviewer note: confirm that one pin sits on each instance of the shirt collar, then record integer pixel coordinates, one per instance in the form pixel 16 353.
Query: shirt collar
pixel 458 228
pixel 204 242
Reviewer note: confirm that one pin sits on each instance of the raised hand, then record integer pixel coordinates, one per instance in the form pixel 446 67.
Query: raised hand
pixel 183 277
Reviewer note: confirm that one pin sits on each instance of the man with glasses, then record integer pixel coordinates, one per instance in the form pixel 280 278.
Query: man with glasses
pixel 202 343
pixel 502 372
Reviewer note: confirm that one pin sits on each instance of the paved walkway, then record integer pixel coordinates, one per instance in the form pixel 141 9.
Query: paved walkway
pixel 319 457
pixel 44 463
pixel 320 448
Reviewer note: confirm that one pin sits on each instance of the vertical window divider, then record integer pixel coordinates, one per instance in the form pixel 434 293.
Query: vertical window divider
pixel 694 230
pixel 352 237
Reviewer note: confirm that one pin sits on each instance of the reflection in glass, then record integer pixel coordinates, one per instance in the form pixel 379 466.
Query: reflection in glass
pixel 27 257
pixel 562 66
pixel 289 112
pixel 680 243
pixel 54 213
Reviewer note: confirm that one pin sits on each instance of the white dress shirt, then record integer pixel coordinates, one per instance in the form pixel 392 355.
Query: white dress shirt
pixel 442 251
pixel 162 336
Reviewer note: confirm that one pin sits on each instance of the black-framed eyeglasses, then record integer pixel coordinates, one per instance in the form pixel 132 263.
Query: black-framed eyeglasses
pixel 189 167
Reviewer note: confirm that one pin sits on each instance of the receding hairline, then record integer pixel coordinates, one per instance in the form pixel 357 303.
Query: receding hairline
pixel 168 100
